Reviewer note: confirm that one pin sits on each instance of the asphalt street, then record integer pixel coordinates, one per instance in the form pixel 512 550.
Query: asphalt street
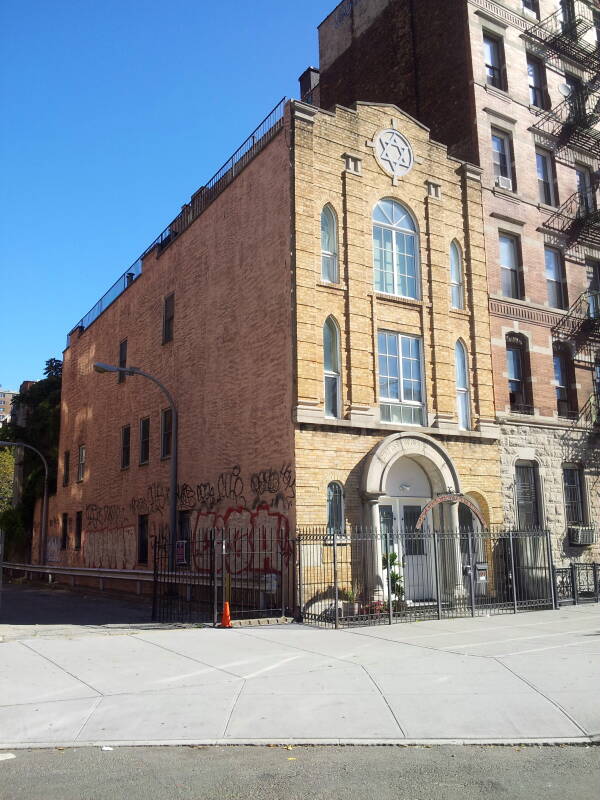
pixel 303 773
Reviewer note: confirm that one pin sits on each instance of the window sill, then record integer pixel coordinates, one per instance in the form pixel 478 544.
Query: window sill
pixel 165 458
pixel 459 312
pixel 547 208
pixel 501 94
pixel 396 298
pixel 124 469
pixel 338 287
pixel 143 463
pixel 512 197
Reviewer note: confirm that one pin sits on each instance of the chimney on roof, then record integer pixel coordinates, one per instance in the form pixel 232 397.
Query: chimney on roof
pixel 309 82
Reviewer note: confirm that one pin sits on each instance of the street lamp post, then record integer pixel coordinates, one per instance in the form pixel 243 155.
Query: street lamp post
pixel 45 500
pixel 101 367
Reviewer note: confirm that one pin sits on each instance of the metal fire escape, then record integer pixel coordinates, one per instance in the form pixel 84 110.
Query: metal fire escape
pixel 561 35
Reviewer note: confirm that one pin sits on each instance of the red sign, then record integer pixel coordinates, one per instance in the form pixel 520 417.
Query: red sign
pixel 450 497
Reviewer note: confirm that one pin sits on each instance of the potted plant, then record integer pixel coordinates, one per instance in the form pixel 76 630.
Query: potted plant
pixel 351 607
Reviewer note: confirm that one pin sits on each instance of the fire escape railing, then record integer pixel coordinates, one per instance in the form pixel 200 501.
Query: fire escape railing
pixel 572 122
pixel 589 415
pixel 562 35
pixel 577 219
pixel 581 326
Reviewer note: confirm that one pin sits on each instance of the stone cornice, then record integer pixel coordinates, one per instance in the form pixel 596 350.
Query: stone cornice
pixel 527 313
pixel 502 13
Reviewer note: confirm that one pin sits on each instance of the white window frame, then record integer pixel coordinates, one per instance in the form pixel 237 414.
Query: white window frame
pixel 397 406
pixel 81 462
pixel 515 269
pixel 333 374
pixel 457 289
pixel 329 258
pixel 558 283
pixel 549 179
pixel 505 171
pixel 496 64
pixel 395 253
pixel 536 66
pixel 463 394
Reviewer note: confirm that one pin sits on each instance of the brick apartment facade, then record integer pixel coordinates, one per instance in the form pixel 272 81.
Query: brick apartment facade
pixel 512 86
pixel 325 357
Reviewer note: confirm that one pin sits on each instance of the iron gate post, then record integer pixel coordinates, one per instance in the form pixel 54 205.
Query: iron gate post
pixel 335 581
pixel 574 583
pixel 471 577
pixel 596 582
pixel 389 577
pixel 283 582
pixel 155 581
pixel 213 539
pixel 298 542
pixel 551 572
pixel 513 576
pixel 437 574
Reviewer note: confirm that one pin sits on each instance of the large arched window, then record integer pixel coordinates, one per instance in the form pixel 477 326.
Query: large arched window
pixel 395 250
pixel 335 508
pixel 331 366
pixel 463 402
pixel 329 259
pixel 457 294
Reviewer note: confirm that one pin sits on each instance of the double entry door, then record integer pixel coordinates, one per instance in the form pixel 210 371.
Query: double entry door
pixel 414 549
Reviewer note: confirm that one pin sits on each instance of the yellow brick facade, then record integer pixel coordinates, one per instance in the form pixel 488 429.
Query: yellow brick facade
pixel 329 450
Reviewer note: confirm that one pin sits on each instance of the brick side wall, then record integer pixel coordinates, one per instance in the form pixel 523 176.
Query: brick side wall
pixel 229 368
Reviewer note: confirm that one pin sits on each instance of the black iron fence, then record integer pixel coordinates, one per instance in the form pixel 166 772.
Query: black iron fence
pixel 578 583
pixel 250 568
pixel 368 577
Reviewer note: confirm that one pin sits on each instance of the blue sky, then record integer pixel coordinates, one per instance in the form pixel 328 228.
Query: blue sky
pixel 113 113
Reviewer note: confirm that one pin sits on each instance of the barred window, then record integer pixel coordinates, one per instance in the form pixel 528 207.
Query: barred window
pixel 574 500
pixel 335 508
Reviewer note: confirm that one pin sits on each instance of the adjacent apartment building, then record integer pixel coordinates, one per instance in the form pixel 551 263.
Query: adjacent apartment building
pixel 319 311
pixel 512 86
pixel 6 398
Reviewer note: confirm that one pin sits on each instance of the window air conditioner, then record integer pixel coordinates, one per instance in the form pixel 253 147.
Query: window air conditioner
pixel 504 183
pixel 582 535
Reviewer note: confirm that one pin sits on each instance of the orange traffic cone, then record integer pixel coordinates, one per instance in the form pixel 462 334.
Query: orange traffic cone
pixel 226 617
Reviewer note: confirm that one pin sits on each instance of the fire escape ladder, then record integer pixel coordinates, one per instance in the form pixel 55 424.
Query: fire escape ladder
pixel 563 35
pixel 589 415
pixel 572 122
pixel 581 327
pixel 577 219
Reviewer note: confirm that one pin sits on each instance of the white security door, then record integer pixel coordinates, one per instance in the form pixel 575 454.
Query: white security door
pixel 417 560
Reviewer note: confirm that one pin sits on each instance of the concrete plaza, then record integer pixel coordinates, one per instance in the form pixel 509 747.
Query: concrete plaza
pixel 532 677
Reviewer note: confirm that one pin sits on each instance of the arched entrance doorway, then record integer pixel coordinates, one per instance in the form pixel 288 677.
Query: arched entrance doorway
pixel 411 488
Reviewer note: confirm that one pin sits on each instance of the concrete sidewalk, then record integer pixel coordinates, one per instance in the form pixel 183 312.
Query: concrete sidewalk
pixel 527 678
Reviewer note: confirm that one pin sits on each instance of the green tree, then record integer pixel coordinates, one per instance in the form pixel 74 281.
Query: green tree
pixel 7 469
pixel 41 404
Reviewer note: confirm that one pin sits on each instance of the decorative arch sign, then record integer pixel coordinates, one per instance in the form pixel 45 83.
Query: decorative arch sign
pixel 450 497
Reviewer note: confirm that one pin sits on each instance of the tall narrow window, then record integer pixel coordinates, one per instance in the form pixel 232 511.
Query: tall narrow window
pixel 81 462
pixel 518 372
pixel 184 533
pixel 395 250
pixel 331 364
pixel 463 403
pixel 78 529
pixel 168 317
pixel 494 62
pixel 144 440
pixel 502 160
pixel 329 259
pixel 510 266
pixel 64 532
pixel 142 554
pixel 555 278
pixel 125 446
pixel 527 495
pixel 166 433
pixel 531 7
pixel 66 467
pixel 401 392
pixel 335 508
pixel 564 379
pixel 457 299
pixel 546 177
pixel 585 190
pixel 574 497
pixel 122 360
pixel 537 82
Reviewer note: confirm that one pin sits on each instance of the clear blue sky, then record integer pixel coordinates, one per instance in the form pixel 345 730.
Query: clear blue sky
pixel 113 113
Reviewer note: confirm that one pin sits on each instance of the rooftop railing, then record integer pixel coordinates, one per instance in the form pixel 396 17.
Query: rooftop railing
pixel 257 140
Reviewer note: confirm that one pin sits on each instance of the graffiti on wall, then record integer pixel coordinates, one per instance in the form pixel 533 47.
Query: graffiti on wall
pixel 255 509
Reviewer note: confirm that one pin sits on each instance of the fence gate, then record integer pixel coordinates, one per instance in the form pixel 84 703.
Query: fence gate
pixel 363 577
pixel 578 583
pixel 251 568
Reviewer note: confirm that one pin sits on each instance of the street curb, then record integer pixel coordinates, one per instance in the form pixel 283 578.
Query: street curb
pixel 580 741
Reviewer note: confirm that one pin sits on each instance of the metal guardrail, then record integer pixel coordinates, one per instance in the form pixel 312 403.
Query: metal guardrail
pixel 259 137
pixel 83 572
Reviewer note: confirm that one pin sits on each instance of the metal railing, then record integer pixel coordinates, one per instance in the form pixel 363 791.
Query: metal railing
pixel 562 34
pixel 577 583
pixel 578 219
pixel 99 573
pixel 365 577
pixel 572 121
pixel 252 569
pixel 257 140
pixel 581 325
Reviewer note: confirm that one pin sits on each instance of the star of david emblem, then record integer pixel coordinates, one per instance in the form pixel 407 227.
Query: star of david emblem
pixel 393 152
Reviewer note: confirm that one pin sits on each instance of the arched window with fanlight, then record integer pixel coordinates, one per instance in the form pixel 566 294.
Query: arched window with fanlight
pixel 395 250
pixel 335 508
pixel 463 401
pixel 329 258
pixel 457 293
pixel 331 368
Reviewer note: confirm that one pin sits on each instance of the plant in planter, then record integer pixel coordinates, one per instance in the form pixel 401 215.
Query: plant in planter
pixel 351 606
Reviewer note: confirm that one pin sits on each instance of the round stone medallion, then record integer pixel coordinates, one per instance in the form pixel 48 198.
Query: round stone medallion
pixel 393 152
